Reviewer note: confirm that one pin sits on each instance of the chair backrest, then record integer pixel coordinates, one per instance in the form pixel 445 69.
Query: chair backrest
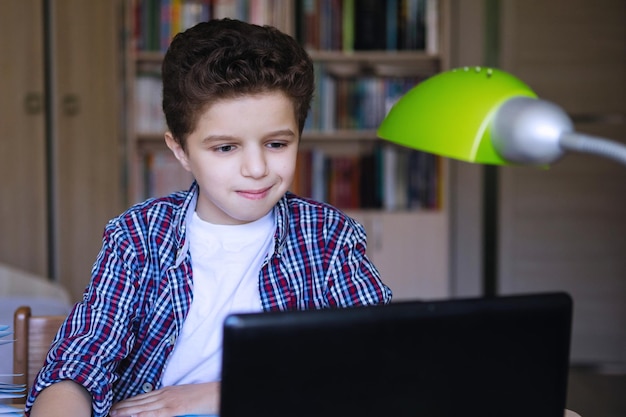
pixel 33 336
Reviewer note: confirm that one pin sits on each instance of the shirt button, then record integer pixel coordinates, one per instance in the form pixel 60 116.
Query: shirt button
pixel 172 339
pixel 147 387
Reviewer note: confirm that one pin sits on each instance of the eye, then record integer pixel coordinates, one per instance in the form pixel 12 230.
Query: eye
pixel 224 148
pixel 276 145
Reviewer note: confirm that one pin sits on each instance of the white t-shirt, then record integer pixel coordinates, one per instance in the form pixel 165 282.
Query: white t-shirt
pixel 226 260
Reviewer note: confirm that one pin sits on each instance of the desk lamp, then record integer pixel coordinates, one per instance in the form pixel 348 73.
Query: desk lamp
pixel 487 116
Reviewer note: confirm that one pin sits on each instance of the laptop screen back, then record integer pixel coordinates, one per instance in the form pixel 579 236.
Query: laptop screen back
pixel 502 356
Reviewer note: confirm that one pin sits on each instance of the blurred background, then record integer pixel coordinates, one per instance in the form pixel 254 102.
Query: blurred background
pixel 81 139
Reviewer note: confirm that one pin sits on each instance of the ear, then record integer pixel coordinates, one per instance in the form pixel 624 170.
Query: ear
pixel 177 150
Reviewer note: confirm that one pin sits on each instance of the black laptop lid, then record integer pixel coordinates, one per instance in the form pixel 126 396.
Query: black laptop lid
pixel 502 356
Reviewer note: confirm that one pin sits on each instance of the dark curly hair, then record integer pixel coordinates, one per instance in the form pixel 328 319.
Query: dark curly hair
pixel 227 58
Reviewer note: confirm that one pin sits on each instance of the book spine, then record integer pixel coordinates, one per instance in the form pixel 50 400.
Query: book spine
pixel 432 26
pixel 154 36
pixel 328 111
pixel 176 19
pixel 347 22
pixel 336 19
pixel 392 25
pixel 324 23
pixel 9 390
pixel 165 174
pixel 165 23
pixel 370 25
pixel 310 23
pixel 138 28
pixel 389 161
pixel 149 115
pixel 318 175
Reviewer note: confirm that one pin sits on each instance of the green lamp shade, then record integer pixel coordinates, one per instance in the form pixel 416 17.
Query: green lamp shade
pixel 450 114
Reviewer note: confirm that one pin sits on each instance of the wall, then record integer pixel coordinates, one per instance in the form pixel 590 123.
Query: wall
pixel 563 228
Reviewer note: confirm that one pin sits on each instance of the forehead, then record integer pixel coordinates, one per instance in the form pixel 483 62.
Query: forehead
pixel 248 108
pixel 249 116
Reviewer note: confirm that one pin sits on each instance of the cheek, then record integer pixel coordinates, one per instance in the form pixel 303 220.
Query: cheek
pixel 286 167
pixel 211 169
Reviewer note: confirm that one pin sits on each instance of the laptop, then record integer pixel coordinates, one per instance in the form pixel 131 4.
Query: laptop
pixel 501 356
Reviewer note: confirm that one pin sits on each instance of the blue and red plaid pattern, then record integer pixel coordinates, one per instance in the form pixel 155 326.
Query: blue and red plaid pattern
pixel 117 340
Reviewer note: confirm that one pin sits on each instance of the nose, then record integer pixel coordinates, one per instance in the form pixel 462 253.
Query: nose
pixel 254 163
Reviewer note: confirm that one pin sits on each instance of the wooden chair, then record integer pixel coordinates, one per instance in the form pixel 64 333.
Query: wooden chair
pixel 33 336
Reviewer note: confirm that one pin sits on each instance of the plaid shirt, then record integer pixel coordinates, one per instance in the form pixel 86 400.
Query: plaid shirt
pixel 116 342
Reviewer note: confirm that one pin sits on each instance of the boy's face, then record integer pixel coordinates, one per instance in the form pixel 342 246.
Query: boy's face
pixel 243 156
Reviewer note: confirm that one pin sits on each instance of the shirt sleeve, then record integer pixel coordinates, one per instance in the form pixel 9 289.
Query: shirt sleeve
pixel 96 335
pixel 352 277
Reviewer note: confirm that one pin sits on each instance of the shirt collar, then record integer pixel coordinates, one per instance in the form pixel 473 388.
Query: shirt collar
pixel 186 214
pixel 281 212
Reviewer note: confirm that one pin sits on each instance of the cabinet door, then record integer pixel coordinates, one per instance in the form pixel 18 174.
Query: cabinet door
pixel 23 224
pixel 87 137
pixel 410 250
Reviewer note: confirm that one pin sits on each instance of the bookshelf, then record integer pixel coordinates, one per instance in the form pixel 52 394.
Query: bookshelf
pixel 398 194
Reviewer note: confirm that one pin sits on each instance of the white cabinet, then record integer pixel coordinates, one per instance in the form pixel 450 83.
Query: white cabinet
pixel 411 251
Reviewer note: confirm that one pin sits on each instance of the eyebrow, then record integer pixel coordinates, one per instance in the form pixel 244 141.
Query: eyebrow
pixel 218 138
pixel 281 132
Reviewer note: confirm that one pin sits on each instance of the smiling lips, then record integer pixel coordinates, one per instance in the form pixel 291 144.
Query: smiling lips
pixel 254 194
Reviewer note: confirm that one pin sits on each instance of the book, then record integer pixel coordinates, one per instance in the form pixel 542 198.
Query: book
pixel 389 172
pixel 370 26
pixel 166 24
pixel 164 174
pixel 149 116
pixel 7 410
pixel 5 330
pixel 343 185
pixel 392 25
pixel 411 24
pixel 369 196
pixel 309 24
pixel 9 390
pixel 151 28
pixel 319 189
pixel 432 26
pixel 347 23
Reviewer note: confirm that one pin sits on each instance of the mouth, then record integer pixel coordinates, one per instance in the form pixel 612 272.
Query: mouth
pixel 254 194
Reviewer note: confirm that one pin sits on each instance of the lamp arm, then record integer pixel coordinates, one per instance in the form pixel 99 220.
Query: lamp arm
pixel 534 131
pixel 573 141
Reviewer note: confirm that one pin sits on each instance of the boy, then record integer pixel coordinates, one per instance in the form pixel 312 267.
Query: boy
pixel 146 338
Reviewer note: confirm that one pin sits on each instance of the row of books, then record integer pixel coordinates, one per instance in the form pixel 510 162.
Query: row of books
pixel 339 103
pixel 163 174
pixel 148 117
pixel 345 25
pixel 156 22
pixel 9 391
pixel 348 25
pixel 389 178
pixel 359 102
